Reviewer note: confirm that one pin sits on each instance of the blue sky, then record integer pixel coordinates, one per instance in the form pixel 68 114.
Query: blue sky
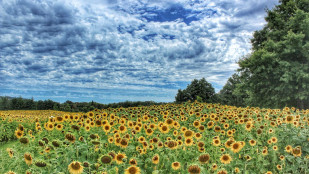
pixel 118 50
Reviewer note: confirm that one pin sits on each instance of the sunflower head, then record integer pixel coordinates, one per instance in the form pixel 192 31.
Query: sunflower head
pixel 70 137
pixel 226 159
pixel 133 162
pixel 204 158
pixel 296 151
pixel 155 159
pixel 132 170
pixel 105 159
pixel 24 140
pixel 75 168
pixel 28 158
pixel 176 165
pixel 194 169
pixel 120 157
pixel 40 163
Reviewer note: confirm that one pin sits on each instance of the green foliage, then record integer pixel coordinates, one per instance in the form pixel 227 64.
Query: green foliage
pixel 276 74
pixel 197 88
pixel 9 103
pixel 230 94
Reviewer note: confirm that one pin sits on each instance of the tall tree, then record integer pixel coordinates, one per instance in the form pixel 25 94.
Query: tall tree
pixel 229 94
pixel 200 88
pixel 276 74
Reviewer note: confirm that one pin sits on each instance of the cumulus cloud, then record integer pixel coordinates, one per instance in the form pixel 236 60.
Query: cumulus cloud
pixel 111 51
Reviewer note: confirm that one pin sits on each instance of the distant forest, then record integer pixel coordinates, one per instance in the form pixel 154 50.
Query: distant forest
pixel 11 103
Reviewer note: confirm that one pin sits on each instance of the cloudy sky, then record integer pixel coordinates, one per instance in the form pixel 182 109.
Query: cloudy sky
pixel 117 50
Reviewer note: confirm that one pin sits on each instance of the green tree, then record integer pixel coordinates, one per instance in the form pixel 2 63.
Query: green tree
pixel 230 94
pixel 200 88
pixel 276 74
pixel 4 103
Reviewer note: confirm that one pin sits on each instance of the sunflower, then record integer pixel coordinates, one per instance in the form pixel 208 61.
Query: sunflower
pixel 216 142
pixel 24 140
pixel 210 124
pixel 229 143
pixel 188 141
pixel 90 114
pixel 249 126
pixel 133 162
pixel 252 142
pixel 106 128
pixel 274 139
pixel 188 134
pixel 289 119
pixel 49 126
pixel 28 158
pixel 132 170
pixel 201 128
pixel 236 170
pixel 122 129
pixel 264 152
pixel 196 123
pixel 105 159
pixel 124 143
pixel 279 167
pixel 226 159
pixel 172 144
pixel 59 127
pixel 56 143
pixel 200 144
pixel 10 172
pixel 288 148
pixel 137 128
pixel 47 149
pixel 201 149
pixel 164 129
pixel 176 165
pixel 40 163
pixel 149 132
pixel 110 140
pixel 198 136
pixel 59 119
pixel 160 144
pixel 217 128
pixel 236 147
pixel 119 158
pixel 98 123
pixel 10 152
pixel 275 148
pixel 204 158
pixel 70 137
pixel 75 168
pixel 248 158
pixel 194 169
pixel 112 154
pixel 222 172
pixel 156 159
pixel 296 151
pixel 141 139
pixel 19 133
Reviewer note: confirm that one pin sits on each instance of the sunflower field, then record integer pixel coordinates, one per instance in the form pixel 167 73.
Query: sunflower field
pixel 166 139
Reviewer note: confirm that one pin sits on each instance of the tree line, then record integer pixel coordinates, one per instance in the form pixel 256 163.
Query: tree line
pixel 19 103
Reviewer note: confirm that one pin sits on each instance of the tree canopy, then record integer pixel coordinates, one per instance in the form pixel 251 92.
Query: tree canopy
pixel 230 94
pixel 276 74
pixel 198 89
